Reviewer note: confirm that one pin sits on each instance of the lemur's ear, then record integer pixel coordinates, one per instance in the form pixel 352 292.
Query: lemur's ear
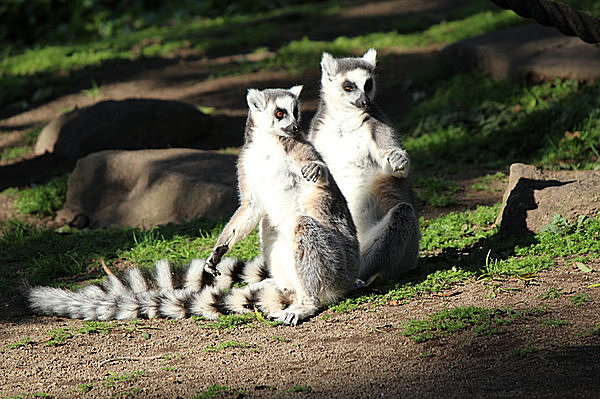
pixel 328 65
pixel 296 90
pixel 370 56
pixel 256 100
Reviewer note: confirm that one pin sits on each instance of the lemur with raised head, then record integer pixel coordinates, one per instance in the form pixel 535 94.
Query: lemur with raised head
pixel 363 153
pixel 307 234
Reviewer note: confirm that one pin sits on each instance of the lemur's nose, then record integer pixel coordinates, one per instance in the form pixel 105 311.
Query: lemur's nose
pixel 365 102
pixel 294 127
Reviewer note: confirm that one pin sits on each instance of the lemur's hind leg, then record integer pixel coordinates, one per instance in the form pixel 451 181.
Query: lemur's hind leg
pixel 319 272
pixel 391 247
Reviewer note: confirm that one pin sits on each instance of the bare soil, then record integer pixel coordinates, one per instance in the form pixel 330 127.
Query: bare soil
pixel 359 353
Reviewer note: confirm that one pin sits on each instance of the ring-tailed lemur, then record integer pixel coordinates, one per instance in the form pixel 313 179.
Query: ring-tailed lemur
pixel 363 153
pixel 307 234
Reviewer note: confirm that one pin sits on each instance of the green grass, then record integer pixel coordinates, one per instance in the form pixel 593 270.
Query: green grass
pixel 483 183
pixel 219 391
pixel 230 344
pixel 581 299
pixel 483 321
pixel 464 246
pixel 115 378
pixel 300 389
pixel 19 344
pixel 435 191
pixel 551 293
pixel 555 323
pixel 59 336
pixel 11 153
pixel 476 120
pixel 44 199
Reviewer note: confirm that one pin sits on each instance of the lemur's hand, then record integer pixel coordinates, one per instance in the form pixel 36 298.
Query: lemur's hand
pixel 398 161
pixel 315 171
pixel 214 259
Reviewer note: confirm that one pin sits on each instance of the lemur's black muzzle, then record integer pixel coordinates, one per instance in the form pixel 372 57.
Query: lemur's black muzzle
pixel 363 102
pixel 292 128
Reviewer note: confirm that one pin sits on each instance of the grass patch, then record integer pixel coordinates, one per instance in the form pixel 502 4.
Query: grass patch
pixel 434 191
pixel 59 336
pixel 581 299
pixel 229 322
pixel 44 199
pixel 483 183
pixel 555 323
pixel 300 389
pixel 115 378
pixel 20 344
pixel 230 344
pixel 11 153
pixel 551 293
pixel 484 321
pixel 500 122
pixel 220 390
pixel 84 388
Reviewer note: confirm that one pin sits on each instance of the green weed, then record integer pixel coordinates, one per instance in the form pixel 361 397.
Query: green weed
pixel 483 183
pixel 215 390
pixel 483 320
pixel 44 199
pixel 551 293
pixel 434 191
pixel 115 378
pixel 554 322
pixel 580 299
pixel 10 153
pixel 227 322
pixel 300 389
pixel 84 388
pixel 59 336
pixel 20 344
pixel 230 344
pixel 96 327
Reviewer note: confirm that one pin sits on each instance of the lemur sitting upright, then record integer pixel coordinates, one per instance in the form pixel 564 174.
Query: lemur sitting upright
pixel 308 238
pixel 361 149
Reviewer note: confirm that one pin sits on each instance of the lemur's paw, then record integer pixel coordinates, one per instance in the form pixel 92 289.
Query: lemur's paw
pixel 314 171
pixel 398 161
pixel 285 317
pixel 214 259
pixel 293 314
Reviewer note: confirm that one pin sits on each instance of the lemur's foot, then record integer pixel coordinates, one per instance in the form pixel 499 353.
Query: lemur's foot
pixel 399 161
pixel 293 315
pixel 214 259
pixel 314 171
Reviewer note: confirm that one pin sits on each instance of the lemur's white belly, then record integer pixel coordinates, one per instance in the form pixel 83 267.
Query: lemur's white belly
pixel 351 158
pixel 273 186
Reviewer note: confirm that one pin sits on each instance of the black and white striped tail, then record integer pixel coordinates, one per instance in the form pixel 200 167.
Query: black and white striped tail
pixel 134 296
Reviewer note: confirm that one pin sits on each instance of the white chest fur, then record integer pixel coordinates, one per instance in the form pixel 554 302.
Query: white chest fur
pixel 350 153
pixel 272 181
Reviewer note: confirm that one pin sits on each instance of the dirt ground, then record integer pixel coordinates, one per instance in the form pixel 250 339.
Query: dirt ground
pixel 360 353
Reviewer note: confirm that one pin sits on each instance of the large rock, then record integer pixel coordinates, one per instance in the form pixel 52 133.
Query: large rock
pixel 150 187
pixel 530 52
pixel 130 125
pixel 533 197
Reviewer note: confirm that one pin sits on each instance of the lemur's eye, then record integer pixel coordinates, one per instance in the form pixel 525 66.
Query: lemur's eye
pixel 279 113
pixel 348 86
pixel 369 85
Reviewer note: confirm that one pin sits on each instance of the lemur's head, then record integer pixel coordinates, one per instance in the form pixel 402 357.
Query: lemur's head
pixel 275 111
pixel 349 82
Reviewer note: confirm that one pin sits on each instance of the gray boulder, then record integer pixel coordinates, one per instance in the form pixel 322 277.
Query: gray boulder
pixel 534 196
pixel 528 52
pixel 150 187
pixel 130 125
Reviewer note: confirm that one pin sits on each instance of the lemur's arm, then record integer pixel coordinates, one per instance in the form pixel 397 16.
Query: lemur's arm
pixel 309 161
pixel 394 158
pixel 243 221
